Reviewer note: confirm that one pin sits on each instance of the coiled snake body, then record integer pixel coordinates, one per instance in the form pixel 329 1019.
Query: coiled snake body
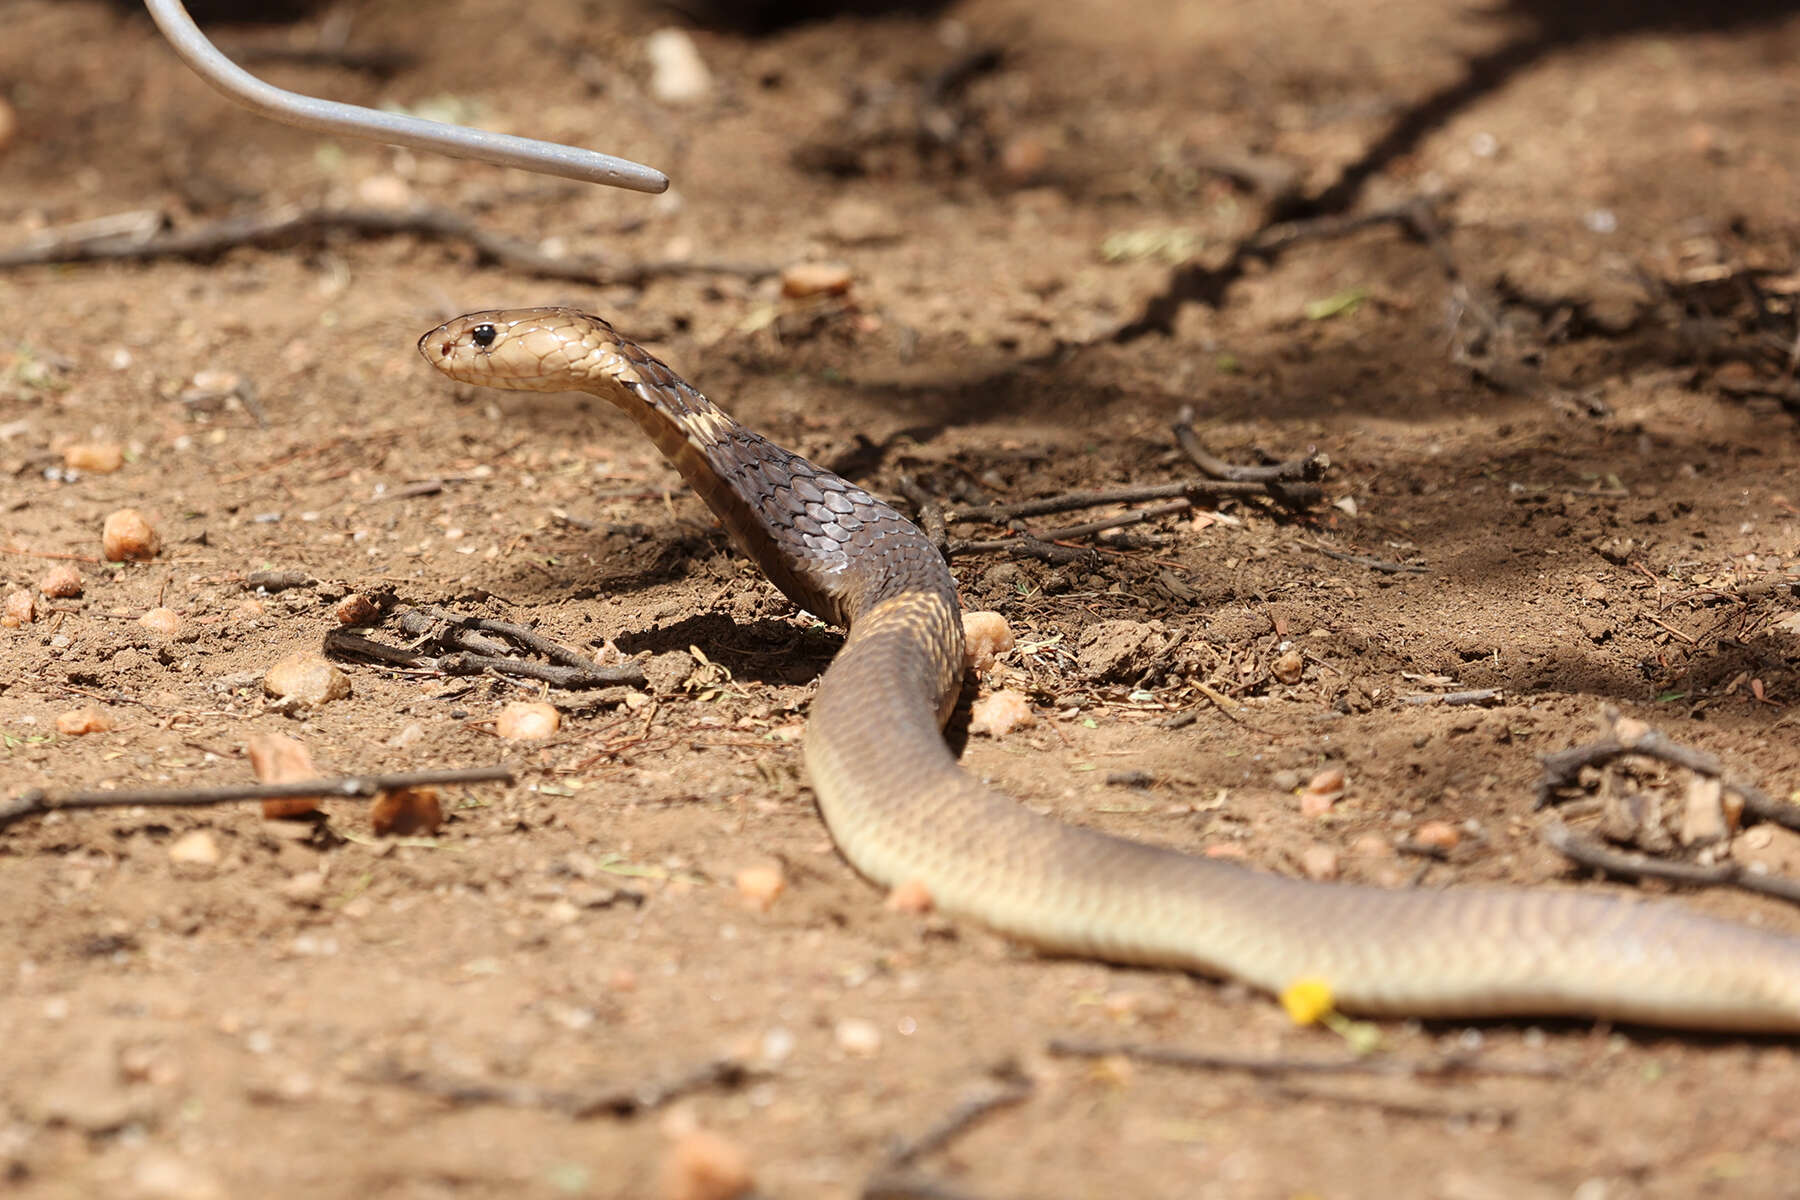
pixel 903 812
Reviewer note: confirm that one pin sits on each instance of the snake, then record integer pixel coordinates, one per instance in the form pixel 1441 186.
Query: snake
pixel 904 814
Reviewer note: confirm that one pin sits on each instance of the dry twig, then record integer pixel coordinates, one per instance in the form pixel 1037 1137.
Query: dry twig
pixel 456 645
pixel 890 1182
pixel 36 801
pixel 291 224
pixel 1252 1064
pixel 1563 770
pixel 615 1100
pixel 1629 865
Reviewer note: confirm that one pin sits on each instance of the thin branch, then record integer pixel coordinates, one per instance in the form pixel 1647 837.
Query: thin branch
pixel 1024 545
pixel 457 645
pixel 930 513
pixel 1563 770
pixel 1381 565
pixel 1188 489
pixel 289 224
pixel 21 550
pixel 890 1182
pixel 615 1100
pixel 1628 865
pixel 1201 1060
pixel 1477 696
pixel 37 801
pixel 1310 469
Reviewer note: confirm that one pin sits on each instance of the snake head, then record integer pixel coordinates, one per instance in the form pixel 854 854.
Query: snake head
pixel 524 349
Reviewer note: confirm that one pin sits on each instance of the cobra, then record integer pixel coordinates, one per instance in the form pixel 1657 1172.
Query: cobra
pixel 903 812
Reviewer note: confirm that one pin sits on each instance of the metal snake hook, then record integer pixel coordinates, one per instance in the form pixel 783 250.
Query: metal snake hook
pixel 329 116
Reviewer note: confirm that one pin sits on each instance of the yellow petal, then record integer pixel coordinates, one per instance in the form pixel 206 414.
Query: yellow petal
pixel 1307 1000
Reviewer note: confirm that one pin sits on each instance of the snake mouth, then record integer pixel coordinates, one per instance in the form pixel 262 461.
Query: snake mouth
pixel 438 339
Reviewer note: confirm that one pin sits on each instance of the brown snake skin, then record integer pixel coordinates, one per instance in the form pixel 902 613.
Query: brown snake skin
pixel 902 811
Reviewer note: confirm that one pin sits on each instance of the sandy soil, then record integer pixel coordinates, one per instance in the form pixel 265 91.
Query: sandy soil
pixel 1569 409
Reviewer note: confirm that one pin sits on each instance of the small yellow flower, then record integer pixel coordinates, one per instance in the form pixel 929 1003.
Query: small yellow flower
pixel 1307 1000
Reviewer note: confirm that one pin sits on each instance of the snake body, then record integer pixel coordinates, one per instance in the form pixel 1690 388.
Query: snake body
pixel 902 811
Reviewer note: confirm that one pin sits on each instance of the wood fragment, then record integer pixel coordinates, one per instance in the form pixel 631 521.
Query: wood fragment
pixel 289 225
pixel 1630 865
pixel 608 1100
pixel 36 801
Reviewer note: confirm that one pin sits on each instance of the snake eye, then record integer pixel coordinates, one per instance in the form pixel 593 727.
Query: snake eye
pixel 483 336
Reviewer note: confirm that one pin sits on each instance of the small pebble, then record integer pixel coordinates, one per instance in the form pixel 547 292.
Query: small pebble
pixel 1322 791
pixel 760 886
pixel 164 1176
pixel 20 609
pixel 1440 834
pixel 1289 667
pixel 98 458
pixel 195 849
pixel 1703 817
pixel 278 758
pixel 999 713
pixel 128 536
pixel 356 609
pixel 406 812
pixel 910 897
pixel 678 75
pixel 305 678
pixel 1317 804
pixel 305 889
pixel 986 636
pixel 527 721
pixel 165 622
pixel 386 191
pixel 1226 850
pixel 704 1166
pixel 82 721
pixel 859 222
pixel 1024 157
pixel 801 280
pixel 1371 845
pixel 61 582
pixel 1319 862
pixel 857 1037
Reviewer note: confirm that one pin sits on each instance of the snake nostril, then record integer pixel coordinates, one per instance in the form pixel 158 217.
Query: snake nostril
pixel 444 349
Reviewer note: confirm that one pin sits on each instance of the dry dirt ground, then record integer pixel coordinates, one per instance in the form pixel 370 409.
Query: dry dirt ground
pixel 1561 403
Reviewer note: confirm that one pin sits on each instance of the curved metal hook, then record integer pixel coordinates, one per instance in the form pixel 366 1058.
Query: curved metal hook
pixel 329 116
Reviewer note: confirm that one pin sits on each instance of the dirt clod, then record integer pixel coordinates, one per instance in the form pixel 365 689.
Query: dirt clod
pixel 81 721
pixel 1117 651
pixel 20 609
pixel 128 536
pixel 406 812
pixel 61 582
pixel 666 673
pixel 986 636
pixel 999 713
pixel 701 1165
pixel 761 885
pixel 100 458
pixel 806 279
pixel 196 849
pixel 278 758
pixel 305 679
pixel 162 621
pixel 527 721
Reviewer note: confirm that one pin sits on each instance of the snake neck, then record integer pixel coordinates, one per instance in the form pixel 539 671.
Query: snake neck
pixel 801 524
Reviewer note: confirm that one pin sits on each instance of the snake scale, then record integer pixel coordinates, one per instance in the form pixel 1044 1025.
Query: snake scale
pixel 903 812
